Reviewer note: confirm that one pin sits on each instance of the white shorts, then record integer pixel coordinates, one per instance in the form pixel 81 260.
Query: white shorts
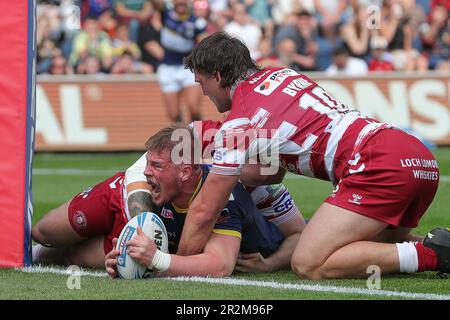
pixel 174 78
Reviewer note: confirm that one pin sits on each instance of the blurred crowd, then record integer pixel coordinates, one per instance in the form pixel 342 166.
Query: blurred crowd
pixel 351 37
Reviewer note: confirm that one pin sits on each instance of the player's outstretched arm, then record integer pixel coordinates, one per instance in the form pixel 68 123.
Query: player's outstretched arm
pixel 204 211
pixel 217 260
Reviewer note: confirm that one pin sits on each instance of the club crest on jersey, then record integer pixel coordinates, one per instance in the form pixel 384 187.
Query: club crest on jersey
pixel 273 81
pixel 80 219
pixel 166 213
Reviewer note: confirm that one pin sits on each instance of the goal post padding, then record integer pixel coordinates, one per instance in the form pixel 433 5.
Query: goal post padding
pixel 17 127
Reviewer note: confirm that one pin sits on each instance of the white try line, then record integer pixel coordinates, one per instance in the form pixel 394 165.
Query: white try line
pixel 258 283
pixel 105 172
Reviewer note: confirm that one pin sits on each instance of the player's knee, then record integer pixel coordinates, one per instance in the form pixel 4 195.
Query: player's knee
pixel 40 233
pixel 305 268
pixel 301 270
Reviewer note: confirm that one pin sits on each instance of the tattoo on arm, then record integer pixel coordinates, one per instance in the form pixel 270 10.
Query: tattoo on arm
pixel 139 202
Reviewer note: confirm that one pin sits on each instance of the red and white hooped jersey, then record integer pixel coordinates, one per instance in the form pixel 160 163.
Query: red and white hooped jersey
pixel 279 109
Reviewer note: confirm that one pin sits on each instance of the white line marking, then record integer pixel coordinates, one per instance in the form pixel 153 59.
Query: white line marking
pixel 256 283
pixel 61 271
pixel 103 172
pixel 314 287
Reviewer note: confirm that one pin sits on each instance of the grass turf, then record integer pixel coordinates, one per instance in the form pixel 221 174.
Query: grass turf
pixel 51 189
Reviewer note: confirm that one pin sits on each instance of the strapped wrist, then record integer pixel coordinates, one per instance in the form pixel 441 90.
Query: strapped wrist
pixel 161 261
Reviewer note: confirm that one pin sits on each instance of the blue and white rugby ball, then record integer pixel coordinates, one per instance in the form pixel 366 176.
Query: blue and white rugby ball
pixel 153 227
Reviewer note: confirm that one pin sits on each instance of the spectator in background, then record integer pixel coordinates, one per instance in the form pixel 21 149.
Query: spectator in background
pixel 103 11
pixel 90 41
pixel 241 26
pixel 328 40
pixel 133 13
pixel 94 8
pixel 436 36
pixel 150 45
pixel 331 13
pixel 48 36
pixel 304 34
pixel 444 3
pixel 416 17
pixel 396 28
pixel 380 59
pixel 46 50
pixel 344 64
pixel 128 64
pixel 287 53
pixel 202 10
pixel 356 34
pixel 283 11
pixel 219 12
pixel 59 64
pixel 89 65
pixel 181 29
pixel 268 58
pixel 259 12
pixel 122 44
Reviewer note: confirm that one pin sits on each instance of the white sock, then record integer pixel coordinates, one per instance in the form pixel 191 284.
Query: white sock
pixel 36 252
pixel 407 256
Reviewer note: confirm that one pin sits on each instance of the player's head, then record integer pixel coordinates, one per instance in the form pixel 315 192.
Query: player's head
pixel 171 162
pixel 219 61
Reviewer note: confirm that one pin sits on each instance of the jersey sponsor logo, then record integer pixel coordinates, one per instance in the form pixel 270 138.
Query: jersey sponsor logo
pixel 166 213
pixel 417 162
pixel 273 81
pixel 425 175
pixel 285 204
pixel 218 155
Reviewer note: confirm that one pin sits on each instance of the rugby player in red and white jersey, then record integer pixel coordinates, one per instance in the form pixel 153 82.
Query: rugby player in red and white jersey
pixel 81 230
pixel 384 178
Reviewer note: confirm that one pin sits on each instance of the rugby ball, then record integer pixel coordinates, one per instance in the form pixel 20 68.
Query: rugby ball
pixel 153 227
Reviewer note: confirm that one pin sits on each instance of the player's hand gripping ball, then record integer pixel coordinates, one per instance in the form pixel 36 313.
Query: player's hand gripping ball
pixel 154 228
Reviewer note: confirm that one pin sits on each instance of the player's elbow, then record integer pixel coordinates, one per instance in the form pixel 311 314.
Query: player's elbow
pixel 223 269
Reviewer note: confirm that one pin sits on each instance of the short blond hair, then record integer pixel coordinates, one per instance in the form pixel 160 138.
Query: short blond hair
pixel 164 140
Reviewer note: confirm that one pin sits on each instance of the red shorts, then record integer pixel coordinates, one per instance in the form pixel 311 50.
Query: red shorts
pixel 98 211
pixel 394 180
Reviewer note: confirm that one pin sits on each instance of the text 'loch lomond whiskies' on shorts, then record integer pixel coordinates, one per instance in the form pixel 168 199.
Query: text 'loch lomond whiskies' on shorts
pixel 421 163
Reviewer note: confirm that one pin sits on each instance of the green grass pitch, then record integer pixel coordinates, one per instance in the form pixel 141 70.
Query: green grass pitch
pixel 52 187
